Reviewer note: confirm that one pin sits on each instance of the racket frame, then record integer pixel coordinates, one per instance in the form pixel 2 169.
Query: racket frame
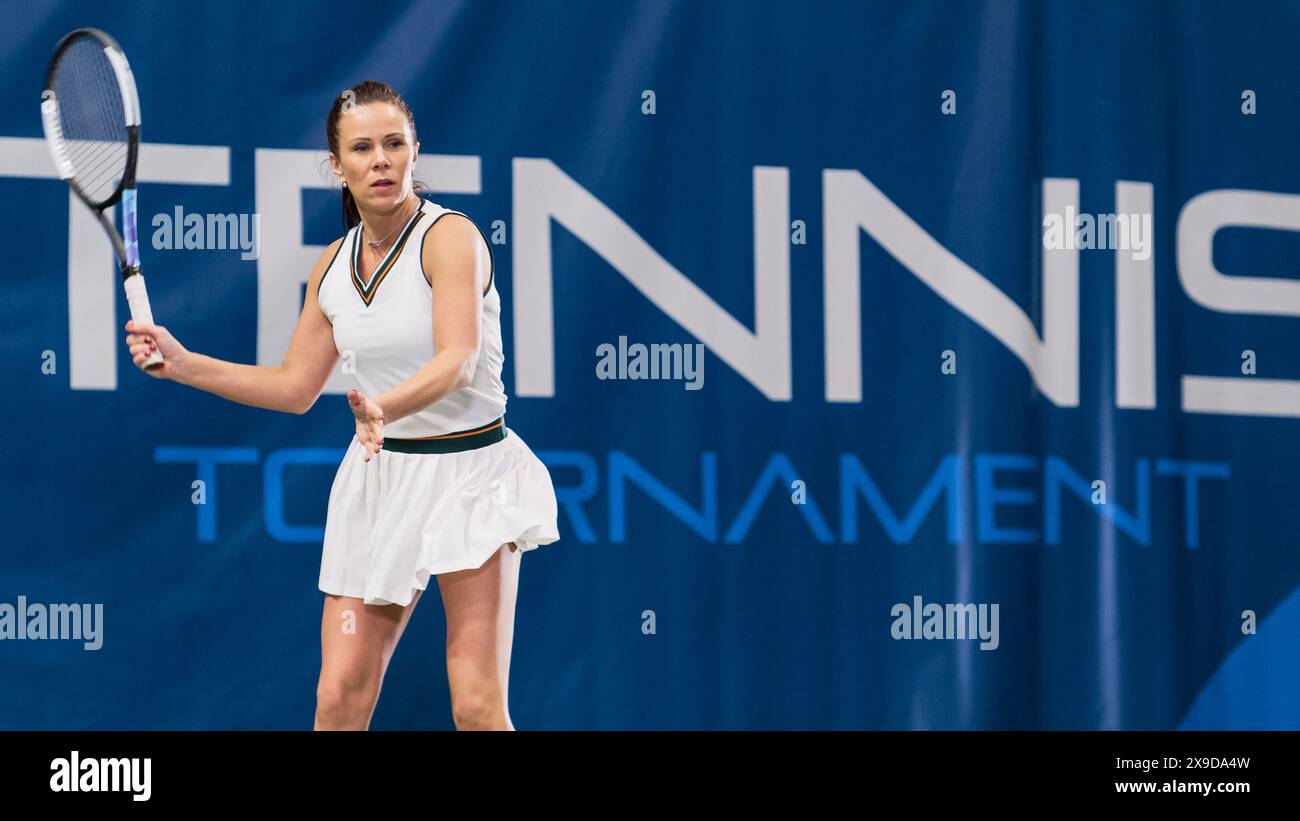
pixel 126 249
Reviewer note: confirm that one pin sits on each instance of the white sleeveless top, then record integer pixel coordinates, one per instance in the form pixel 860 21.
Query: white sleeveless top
pixel 385 324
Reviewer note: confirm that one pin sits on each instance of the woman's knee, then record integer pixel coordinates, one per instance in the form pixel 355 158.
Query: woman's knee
pixel 343 700
pixel 479 706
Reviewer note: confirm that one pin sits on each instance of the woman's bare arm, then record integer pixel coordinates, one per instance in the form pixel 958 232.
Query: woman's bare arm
pixel 292 386
pixel 458 264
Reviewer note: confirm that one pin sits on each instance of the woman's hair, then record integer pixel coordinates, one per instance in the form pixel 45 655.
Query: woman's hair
pixel 362 93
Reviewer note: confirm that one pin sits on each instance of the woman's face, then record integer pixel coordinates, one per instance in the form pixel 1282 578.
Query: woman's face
pixel 376 156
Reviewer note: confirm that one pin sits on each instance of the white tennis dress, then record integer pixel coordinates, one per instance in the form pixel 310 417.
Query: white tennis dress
pixel 451 483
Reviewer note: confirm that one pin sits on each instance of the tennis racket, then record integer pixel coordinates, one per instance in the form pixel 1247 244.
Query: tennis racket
pixel 91 116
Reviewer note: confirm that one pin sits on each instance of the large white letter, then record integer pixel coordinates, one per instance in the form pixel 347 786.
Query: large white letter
pixel 543 193
pixel 1200 220
pixel 851 202
pixel 94 334
pixel 1135 304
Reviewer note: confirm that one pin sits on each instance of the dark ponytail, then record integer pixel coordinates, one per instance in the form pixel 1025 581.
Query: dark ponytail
pixel 350 214
pixel 362 93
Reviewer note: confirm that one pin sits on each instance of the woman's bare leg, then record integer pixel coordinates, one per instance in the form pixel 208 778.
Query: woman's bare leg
pixel 357 642
pixel 480 608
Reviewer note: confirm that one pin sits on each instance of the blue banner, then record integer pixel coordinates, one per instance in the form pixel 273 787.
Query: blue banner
pixel 897 365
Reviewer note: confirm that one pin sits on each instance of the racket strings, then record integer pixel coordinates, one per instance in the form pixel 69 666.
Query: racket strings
pixel 91 117
pixel 100 157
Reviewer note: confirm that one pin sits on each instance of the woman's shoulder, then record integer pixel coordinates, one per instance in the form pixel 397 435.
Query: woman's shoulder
pixel 455 238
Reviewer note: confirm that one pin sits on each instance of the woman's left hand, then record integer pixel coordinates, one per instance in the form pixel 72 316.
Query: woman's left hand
pixel 370 421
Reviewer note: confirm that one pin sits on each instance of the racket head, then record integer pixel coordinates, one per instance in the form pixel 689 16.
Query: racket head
pixel 91 115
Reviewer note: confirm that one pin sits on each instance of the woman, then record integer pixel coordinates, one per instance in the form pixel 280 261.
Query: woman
pixel 433 483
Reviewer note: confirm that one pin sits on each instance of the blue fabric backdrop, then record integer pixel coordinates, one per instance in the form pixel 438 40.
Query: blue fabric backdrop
pixel 905 394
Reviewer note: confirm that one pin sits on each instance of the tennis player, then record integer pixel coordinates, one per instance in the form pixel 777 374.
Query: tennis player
pixel 433 483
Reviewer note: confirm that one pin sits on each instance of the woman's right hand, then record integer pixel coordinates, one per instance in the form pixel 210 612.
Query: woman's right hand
pixel 143 339
pixel 370 422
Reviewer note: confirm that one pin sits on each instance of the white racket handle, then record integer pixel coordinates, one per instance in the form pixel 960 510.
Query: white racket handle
pixel 138 298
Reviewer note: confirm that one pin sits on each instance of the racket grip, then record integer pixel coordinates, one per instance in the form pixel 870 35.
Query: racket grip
pixel 138 299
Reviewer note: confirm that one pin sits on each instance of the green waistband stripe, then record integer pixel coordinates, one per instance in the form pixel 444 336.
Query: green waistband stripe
pixel 471 439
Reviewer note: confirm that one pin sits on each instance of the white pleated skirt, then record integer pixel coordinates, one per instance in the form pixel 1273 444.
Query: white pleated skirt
pixel 400 518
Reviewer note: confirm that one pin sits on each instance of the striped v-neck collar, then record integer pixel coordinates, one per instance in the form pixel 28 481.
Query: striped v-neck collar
pixel 367 290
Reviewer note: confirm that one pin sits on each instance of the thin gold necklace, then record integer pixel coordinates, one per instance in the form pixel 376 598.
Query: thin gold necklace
pixel 375 243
